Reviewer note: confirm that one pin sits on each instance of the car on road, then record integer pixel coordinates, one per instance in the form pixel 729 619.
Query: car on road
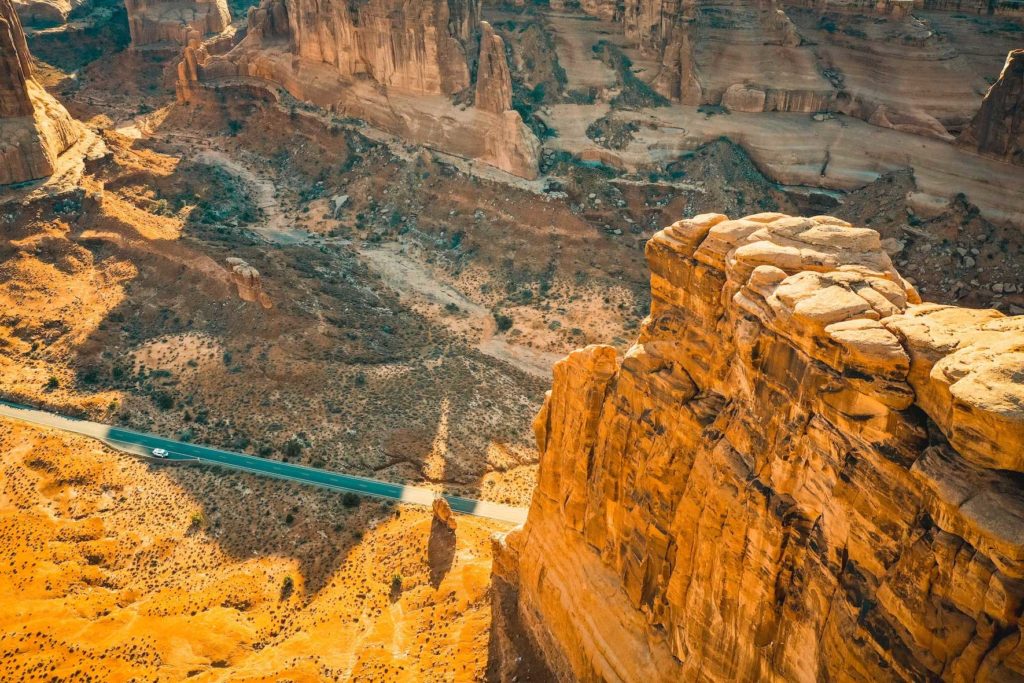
pixel 159 453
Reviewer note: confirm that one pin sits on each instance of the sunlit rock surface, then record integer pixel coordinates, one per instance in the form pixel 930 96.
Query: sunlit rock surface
pixel 798 472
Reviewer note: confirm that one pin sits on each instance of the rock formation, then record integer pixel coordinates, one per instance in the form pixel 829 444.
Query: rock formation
pixel 443 514
pixel 45 12
pixel 34 128
pixel 395 65
pixel 248 281
pixel 798 472
pixel 876 61
pixel 420 46
pixel 173 21
pixel 998 127
pixel 493 79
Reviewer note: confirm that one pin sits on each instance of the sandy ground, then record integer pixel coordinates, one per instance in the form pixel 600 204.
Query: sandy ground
pixel 119 570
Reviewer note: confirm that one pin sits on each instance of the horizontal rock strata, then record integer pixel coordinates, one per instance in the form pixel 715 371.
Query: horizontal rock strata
pixel 799 472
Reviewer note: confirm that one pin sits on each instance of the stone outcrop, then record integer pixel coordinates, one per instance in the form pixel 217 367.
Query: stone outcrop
pixel 46 12
pixel 248 281
pixel 876 61
pixel 398 66
pixel 799 472
pixel 34 128
pixel 493 79
pixel 998 127
pixel 443 514
pixel 418 46
pixel 154 22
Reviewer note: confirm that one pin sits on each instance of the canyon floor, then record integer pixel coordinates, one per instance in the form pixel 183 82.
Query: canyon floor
pixel 408 308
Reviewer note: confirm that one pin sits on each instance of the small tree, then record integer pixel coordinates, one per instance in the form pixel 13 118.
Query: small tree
pixel 504 322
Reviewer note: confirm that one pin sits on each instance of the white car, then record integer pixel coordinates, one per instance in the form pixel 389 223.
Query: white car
pixel 159 453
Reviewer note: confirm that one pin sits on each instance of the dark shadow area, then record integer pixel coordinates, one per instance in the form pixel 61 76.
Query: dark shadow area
pixel 440 551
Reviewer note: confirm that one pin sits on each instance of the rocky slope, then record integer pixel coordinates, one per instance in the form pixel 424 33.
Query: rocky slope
pixel 998 127
pixel 399 67
pixel 173 21
pixel 887 63
pixel 34 128
pixel 798 472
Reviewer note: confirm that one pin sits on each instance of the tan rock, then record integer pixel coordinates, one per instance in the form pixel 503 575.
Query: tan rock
pixel 34 128
pixel 493 79
pixel 248 281
pixel 172 21
pixel 740 97
pixel 797 473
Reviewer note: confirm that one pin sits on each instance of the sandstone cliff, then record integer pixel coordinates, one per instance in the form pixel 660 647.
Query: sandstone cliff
pixel 172 21
pixel 493 79
pixel 398 66
pixel 998 127
pixel 799 472
pixel 34 128
pixel 420 46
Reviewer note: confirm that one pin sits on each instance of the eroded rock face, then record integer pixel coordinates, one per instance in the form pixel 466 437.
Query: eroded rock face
pixel 493 79
pixel 248 281
pixel 395 65
pixel 418 46
pixel 46 12
pixel 173 21
pixel 998 127
pixel 34 128
pixel 443 514
pixel 799 472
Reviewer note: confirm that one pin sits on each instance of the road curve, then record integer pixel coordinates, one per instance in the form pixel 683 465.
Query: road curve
pixel 143 444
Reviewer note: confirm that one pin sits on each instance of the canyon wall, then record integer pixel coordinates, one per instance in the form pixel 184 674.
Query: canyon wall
pixel 877 61
pixel 154 22
pixel 34 128
pixel 998 127
pixel 799 472
pixel 405 68
pixel 424 46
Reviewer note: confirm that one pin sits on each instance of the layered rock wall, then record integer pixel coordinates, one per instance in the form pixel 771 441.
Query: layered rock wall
pixel 34 128
pixel 153 22
pixel 422 46
pixel 398 66
pixel 799 472
pixel 998 127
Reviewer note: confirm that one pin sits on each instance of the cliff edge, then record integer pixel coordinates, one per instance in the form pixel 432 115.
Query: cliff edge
pixel 798 472
pixel 34 128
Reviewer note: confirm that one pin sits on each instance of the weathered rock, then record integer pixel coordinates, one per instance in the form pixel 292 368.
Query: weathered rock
pixel 173 21
pixel 443 513
pixel 493 79
pixel 34 128
pixel 46 12
pixel 742 97
pixel 998 127
pixel 416 46
pixel 799 472
pixel 390 64
pixel 248 281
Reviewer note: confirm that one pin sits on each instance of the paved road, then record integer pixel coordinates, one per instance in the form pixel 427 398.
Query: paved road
pixel 143 444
